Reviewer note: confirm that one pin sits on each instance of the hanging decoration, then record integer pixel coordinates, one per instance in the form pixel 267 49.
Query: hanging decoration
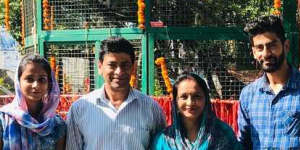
pixel 54 67
pixel 277 7
pixel 53 63
pixel 164 72
pixel 67 88
pixel 141 14
pixel 57 72
pixel 46 15
pixel 133 79
pixel 6 14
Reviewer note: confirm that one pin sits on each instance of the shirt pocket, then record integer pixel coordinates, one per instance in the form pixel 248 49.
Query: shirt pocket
pixel 292 123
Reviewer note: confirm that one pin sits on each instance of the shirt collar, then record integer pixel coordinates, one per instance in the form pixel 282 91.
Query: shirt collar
pixel 102 98
pixel 292 82
pixel 264 83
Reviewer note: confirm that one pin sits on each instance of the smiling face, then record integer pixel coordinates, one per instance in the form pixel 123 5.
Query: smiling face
pixel 269 51
pixel 34 83
pixel 116 69
pixel 190 99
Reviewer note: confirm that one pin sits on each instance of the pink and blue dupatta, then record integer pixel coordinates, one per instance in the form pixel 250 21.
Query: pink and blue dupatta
pixel 18 125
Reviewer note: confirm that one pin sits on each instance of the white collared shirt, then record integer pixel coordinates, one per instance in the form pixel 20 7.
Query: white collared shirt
pixel 94 123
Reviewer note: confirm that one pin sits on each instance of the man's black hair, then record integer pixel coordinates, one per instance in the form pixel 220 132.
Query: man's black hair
pixel 264 24
pixel 116 44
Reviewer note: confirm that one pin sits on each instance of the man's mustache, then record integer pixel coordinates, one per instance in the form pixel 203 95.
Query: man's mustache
pixel 269 59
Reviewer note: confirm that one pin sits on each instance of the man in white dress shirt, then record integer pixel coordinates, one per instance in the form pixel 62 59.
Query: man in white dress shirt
pixel 115 117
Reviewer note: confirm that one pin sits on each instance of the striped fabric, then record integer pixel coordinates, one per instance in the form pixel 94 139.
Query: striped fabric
pixel 267 120
pixel 93 122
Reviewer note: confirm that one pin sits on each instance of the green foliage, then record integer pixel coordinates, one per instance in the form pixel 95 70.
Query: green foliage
pixel 1 12
pixel 158 90
pixel 15 18
pixel 5 82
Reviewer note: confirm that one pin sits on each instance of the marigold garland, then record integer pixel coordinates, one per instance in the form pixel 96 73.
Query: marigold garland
pixel 133 79
pixel 277 6
pixel 57 72
pixel 6 14
pixel 54 67
pixel 53 63
pixel 46 14
pixel 67 88
pixel 141 14
pixel 164 72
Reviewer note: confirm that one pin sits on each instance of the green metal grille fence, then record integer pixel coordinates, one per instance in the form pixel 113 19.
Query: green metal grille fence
pixel 77 14
pixel 29 16
pixel 29 50
pixel 201 36
pixel 191 13
pixel 227 66
pixel 75 65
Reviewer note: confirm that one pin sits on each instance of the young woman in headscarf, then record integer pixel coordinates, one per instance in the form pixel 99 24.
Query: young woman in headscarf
pixel 194 124
pixel 30 121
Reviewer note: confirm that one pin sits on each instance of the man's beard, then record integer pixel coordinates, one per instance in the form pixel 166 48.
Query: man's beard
pixel 274 63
